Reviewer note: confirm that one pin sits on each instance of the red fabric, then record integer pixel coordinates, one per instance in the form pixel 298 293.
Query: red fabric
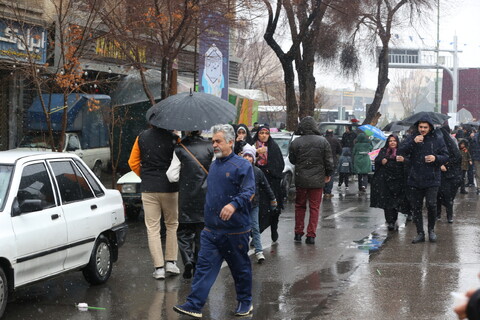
pixel 314 197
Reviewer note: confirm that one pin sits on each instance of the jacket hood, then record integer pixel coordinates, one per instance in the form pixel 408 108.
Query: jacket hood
pixel 346 152
pixel 425 118
pixel 308 126
pixel 362 138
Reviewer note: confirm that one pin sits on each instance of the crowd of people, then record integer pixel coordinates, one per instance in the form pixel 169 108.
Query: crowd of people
pixel 217 197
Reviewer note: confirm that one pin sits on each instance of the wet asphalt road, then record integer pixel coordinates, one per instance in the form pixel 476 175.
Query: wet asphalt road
pixel 356 270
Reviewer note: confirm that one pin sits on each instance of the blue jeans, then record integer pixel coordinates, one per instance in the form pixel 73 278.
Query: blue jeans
pixel 257 243
pixel 216 246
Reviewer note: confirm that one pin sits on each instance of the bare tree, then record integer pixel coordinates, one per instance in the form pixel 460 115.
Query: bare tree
pixel 409 87
pixel 379 17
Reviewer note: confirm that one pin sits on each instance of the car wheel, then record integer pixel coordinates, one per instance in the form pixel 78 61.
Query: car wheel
pixel 3 292
pixel 97 169
pixel 286 183
pixel 100 265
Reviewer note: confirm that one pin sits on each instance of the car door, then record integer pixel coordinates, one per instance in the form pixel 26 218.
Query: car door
pixel 81 210
pixel 40 232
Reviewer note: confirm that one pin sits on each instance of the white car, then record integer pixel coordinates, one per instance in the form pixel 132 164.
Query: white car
pixel 283 139
pixel 55 216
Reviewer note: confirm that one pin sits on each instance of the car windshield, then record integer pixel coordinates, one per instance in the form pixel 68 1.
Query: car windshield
pixel 38 140
pixel 5 174
pixel 283 143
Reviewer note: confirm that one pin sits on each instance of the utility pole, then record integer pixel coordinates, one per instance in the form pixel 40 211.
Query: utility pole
pixel 437 109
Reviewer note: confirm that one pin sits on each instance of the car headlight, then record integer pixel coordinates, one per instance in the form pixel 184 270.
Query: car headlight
pixel 129 188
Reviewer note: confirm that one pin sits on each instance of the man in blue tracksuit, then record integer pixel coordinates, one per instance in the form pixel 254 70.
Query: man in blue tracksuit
pixel 230 188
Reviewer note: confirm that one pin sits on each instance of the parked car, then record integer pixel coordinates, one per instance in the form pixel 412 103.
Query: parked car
pixel 55 216
pixel 129 187
pixel 283 139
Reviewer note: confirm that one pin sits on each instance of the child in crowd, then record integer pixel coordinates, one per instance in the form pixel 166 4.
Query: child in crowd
pixel 262 188
pixel 466 162
pixel 345 167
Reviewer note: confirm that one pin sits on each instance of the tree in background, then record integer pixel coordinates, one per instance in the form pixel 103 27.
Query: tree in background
pixel 379 17
pixel 410 88
pixel 315 29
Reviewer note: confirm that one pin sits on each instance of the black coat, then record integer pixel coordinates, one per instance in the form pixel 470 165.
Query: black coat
pixel 389 184
pixel 452 178
pixel 191 197
pixel 422 174
pixel 273 171
pixel 156 153
pixel 312 156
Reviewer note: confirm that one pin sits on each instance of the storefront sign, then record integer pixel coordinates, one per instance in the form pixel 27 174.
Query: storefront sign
pixel 18 42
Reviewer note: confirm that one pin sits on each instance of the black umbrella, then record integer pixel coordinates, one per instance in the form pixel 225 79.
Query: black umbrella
pixel 190 112
pixel 395 126
pixel 437 118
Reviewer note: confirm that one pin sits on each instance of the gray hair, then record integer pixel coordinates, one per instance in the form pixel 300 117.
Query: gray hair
pixel 228 131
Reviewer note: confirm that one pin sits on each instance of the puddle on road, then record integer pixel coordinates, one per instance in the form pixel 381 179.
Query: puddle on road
pixel 370 243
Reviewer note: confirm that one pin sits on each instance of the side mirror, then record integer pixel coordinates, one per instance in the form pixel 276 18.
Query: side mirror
pixel 15 208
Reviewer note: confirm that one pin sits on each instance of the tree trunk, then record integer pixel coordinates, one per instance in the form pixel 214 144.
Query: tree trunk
pixel 149 94
pixel 306 80
pixel 372 112
pixel 290 98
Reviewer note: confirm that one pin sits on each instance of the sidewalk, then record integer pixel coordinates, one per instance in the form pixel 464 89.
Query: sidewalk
pixel 413 281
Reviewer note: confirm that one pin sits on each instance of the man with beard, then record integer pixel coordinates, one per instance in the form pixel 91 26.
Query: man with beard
pixel 230 188
pixel 427 152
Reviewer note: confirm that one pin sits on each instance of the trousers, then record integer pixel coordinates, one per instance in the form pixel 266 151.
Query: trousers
pixel 314 197
pixel 217 246
pixel 417 196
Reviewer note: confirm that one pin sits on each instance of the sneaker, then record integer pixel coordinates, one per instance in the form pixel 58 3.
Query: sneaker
pixel 187 309
pixel 244 309
pixel 260 257
pixel 346 188
pixel 171 267
pixel 419 238
pixel 159 273
pixel 310 240
pixel 432 236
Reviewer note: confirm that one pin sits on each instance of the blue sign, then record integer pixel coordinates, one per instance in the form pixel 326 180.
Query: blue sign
pixel 19 41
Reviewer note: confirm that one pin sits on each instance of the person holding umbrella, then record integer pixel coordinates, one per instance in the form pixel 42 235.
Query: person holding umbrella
pixel 427 152
pixel 230 188
pixel 270 161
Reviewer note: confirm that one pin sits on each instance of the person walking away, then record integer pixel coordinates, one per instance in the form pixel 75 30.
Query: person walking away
pixel 345 168
pixel 336 147
pixel 262 189
pixel 451 176
pixel 255 128
pixel 427 152
pixel 362 164
pixel 312 156
pixel 270 161
pixel 190 165
pixel 466 162
pixel 388 183
pixel 474 144
pixel 242 138
pixel 150 158
pixel 348 137
pixel 230 187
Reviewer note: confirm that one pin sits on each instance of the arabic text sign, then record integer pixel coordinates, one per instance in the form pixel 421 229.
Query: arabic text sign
pixel 17 41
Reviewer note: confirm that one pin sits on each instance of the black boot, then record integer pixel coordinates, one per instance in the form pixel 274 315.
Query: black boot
pixel 432 236
pixel 419 238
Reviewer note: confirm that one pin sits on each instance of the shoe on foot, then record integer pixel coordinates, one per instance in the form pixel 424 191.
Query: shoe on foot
pixel 392 226
pixel 187 272
pixel 243 309
pixel 187 309
pixel 450 220
pixel 339 187
pixel 298 238
pixel 310 240
pixel 171 267
pixel 260 257
pixel 159 273
pixel 346 188
pixel 409 217
pixel 432 236
pixel 419 238
pixel 464 192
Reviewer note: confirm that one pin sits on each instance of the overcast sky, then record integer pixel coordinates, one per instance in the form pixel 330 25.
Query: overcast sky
pixel 460 17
